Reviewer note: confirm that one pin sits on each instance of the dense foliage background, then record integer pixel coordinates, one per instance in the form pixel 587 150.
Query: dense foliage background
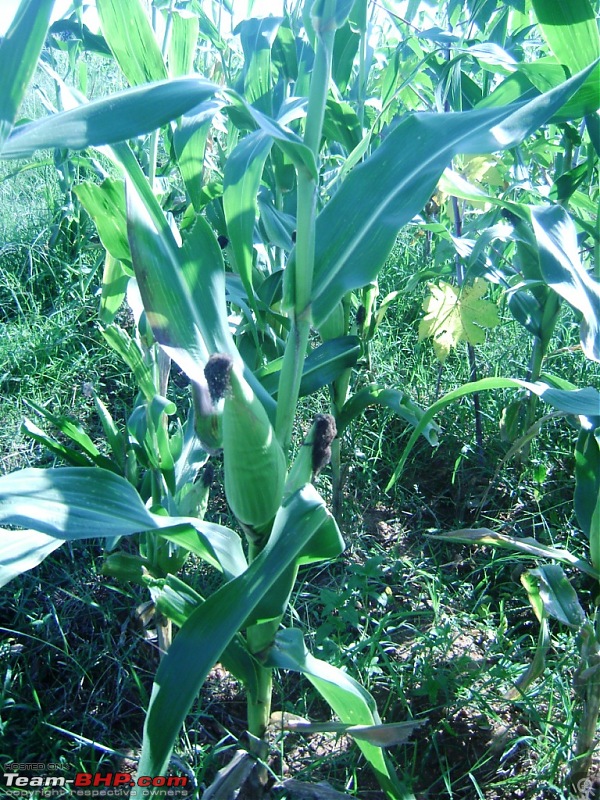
pixel 430 281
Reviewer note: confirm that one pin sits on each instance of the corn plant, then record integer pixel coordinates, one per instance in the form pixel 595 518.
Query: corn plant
pixel 263 135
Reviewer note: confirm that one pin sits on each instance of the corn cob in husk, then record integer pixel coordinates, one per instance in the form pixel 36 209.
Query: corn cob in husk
pixel 254 462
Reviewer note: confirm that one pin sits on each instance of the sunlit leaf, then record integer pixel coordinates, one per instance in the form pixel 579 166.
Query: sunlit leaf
pixel 19 53
pixel 455 315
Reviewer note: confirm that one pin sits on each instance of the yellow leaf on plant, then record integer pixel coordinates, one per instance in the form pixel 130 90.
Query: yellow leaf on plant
pixel 454 315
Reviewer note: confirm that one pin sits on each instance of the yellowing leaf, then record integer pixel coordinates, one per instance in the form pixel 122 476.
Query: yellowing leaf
pixel 456 315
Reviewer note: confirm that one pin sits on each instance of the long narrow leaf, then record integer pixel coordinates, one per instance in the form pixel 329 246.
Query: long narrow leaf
pixel 207 632
pixel 579 402
pixel 123 115
pixel 128 32
pixel 562 270
pixel 519 544
pixel 19 53
pixel 348 699
pixel 241 181
pixel 73 503
pixel 357 228
pixel 23 550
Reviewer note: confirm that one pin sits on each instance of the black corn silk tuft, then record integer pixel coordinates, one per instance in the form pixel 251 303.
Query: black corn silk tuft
pixel 325 433
pixel 216 372
pixel 361 316
pixel 223 241
pixel 208 475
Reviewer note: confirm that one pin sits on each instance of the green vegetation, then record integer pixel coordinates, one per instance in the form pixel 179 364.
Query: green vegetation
pixel 294 315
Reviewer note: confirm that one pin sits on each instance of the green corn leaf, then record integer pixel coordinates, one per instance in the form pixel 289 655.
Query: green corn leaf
pixel 105 203
pixel 23 550
pixel 379 735
pixel 114 436
pixel 571 31
pixel 177 601
pixel 189 141
pixel 562 270
pixel 342 125
pixel 321 367
pixel 578 402
pixel 354 233
pixel 73 503
pixel 68 454
pixel 129 350
pixel 208 631
pixel 257 37
pixel 587 482
pixel 170 308
pixel 345 48
pixel 348 699
pixel 113 119
pixel 129 35
pixel 19 53
pixel 538 665
pixel 394 399
pixel 241 181
pixel 115 279
pixel 519 544
pixel 182 47
pixel 557 595
pixel 290 143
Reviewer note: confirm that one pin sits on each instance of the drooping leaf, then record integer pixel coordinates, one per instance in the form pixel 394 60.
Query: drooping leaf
pixel 558 596
pixel 578 401
pixel 348 699
pixel 112 119
pixel 394 399
pixel 354 234
pixel 73 503
pixel 520 544
pixel 189 141
pixel 19 53
pixel 562 269
pixel 241 181
pixel 456 315
pixel 128 32
pixel 257 36
pixel 23 550
pixel 207 632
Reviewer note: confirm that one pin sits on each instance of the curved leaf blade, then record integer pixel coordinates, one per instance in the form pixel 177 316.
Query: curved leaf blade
pixel 19 53
pixel 394 399
pixel 563 271
pixel 241 181
pixel 348 699
pixel 357 228
pixel 123 115
pixel 23 550
pixel 207 632
pixel 129 35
